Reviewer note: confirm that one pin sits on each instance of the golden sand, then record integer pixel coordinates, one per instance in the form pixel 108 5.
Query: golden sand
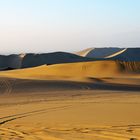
pixel 76 101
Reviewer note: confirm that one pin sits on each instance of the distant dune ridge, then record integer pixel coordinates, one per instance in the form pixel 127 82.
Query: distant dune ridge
pixel 10 62
pixel 17 61
pixel 98 52
pixel 84 52
pixel 130 54
pixel 30 60
pixel 122 54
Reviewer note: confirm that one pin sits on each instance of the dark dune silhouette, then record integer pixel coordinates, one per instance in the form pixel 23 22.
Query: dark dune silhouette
pixel 100 52
pixel 10 61
pixel 121 54
pixel 33 60
pixel 130 54
pixel 17 61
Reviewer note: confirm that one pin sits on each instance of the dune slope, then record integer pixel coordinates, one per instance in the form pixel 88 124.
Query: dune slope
pixel 122 54
pixel 81 69
pixel 84 52
pixel 99 52
pixel 33 60
pixel 10 61
pixel 130 54
pixel 105 75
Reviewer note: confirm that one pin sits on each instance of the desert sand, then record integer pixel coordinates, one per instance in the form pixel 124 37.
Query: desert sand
pixel 70 115
pixel 95 100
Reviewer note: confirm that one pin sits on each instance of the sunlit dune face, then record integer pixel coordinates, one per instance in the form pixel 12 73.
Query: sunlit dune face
pixel 22 55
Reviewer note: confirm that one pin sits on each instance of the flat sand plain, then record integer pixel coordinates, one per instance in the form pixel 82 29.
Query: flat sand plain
pixel 82 113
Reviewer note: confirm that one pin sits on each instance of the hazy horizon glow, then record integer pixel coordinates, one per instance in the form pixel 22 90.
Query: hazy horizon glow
pixel 68 25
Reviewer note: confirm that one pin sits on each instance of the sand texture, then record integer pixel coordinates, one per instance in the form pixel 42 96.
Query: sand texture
pixel 78 100
pixel 71 115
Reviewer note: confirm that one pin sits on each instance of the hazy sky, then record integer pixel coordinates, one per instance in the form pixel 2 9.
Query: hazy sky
pixel 68 25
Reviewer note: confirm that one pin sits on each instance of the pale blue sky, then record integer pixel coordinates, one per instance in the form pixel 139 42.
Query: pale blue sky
pixel 68 25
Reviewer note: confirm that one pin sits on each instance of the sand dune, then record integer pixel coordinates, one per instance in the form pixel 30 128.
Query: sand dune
pixel 122 54
pixel 10 61
pixel 70 98
pixel 103 75
pixel 84 52
pixel 16 61
pixel 130 54
pixel 99 52
pixel 33 60
pixel 81 69
pixel 116 54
